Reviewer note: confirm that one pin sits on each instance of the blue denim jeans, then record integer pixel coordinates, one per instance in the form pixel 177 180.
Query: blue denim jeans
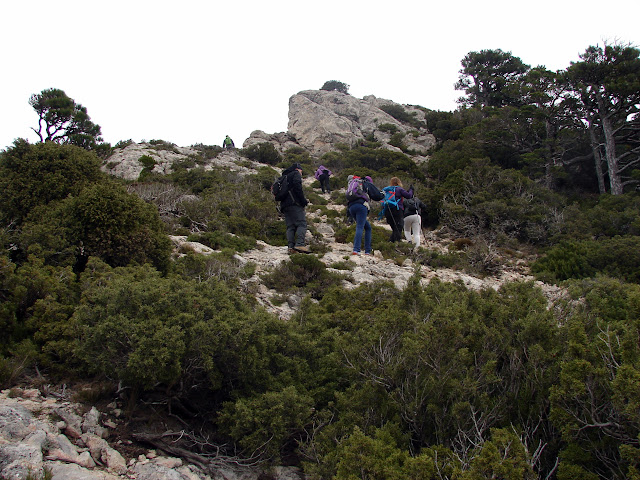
pixel 360 212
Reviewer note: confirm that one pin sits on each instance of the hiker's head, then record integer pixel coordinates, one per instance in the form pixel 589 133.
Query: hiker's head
pixel 368 179
pixel 297 166
pixel 395 182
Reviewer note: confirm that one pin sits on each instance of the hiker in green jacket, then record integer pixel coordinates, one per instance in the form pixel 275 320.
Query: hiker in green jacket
pixel 227 143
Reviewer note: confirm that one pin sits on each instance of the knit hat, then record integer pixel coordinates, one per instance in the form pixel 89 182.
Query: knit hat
pixel 296 166
pixel 368 179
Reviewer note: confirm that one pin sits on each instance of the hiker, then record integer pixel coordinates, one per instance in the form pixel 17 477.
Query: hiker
pixel 322 175
pixel 292 207
pixel 358 208
pixel 413 220
pixel 227 143
pixel 393 207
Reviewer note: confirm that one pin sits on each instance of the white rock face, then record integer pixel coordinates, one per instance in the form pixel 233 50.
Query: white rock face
pixel 125 163
pixel 318 120
pixel 281 141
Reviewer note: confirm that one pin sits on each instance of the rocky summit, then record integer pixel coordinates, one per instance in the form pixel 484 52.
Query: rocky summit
pixel 320 120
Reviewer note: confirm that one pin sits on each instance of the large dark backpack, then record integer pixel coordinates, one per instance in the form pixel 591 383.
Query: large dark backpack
pixel 411 206
pixel 280 188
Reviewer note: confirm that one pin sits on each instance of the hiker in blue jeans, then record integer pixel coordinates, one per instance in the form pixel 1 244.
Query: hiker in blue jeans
pixel 359 210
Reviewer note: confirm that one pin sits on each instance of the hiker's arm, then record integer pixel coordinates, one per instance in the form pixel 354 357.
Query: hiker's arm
pixel 373 192
pixel 404 193
pixel 298 193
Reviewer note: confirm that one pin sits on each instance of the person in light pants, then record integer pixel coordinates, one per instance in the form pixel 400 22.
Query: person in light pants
pixel 412 220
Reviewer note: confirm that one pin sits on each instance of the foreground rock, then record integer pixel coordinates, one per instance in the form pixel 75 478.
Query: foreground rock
pixel 51 436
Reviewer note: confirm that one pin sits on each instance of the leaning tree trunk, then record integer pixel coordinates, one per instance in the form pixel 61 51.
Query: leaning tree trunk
pixel 612 160
pixel 613 166
pixel 597 156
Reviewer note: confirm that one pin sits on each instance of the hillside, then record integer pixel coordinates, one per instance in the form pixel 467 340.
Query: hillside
pixel 156 327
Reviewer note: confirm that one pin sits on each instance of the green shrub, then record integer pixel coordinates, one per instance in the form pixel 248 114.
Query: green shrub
pixel 263 153
pixel 484 200
pixel 617 257
pixel 198 180
pixel 262 424
pixel 36 175
pixel 433 259
pixel 302 272
pixel 397 141
pixel 388 127
pixel 397 112
pixel 335 85
pixel 164 145
pixel 123 143
pixel 140 328
pixel 147 161
pixel 207 151
pixel 220 265
pixel 105 221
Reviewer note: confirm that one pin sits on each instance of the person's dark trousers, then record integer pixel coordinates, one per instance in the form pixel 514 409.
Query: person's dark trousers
pixel 396 222
pixel 296 225
pixel 324 183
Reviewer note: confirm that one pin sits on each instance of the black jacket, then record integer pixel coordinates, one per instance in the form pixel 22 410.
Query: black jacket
pixel 296 194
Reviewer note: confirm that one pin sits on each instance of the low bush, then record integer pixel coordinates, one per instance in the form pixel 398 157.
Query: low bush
pixel 617 257
pixel 302 272
pixel 219 240
pixel 263 153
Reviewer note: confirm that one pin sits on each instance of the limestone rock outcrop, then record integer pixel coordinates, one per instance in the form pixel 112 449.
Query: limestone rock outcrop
pixel 125 162
pixel 320 120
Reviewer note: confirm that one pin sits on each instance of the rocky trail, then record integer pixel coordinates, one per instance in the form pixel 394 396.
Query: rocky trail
pixel 366 269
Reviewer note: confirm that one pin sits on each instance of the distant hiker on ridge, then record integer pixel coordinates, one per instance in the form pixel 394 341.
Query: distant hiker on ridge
pixel 227 143
pixel 322 175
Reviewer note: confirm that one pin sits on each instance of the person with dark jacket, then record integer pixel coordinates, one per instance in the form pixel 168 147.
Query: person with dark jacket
pixel 394 209
pixel 292 207
pixel 359 209
pixel 413 220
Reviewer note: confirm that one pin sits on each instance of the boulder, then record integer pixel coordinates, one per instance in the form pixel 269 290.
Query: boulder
pixel 14 422
pixel 70 471
pixel 91 423
pixel 18 461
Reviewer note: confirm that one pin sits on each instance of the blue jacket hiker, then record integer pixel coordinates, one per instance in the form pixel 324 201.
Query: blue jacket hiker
pixel 292 207
pixel 358 207
pixel 393 207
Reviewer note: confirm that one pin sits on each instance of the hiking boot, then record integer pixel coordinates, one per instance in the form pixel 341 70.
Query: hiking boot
pixel 291 251
pixel 302 249
pixel 355 253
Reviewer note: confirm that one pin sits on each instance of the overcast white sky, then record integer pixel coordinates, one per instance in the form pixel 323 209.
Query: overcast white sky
pixel 193 71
